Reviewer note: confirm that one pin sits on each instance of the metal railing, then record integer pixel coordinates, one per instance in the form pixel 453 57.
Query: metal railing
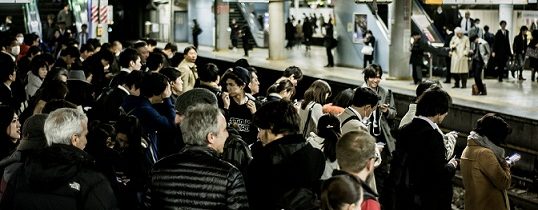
pixel 255 28
pixel 31 18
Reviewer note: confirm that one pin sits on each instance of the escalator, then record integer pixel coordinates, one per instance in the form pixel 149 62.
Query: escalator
pixel 244 15
pixel 422 22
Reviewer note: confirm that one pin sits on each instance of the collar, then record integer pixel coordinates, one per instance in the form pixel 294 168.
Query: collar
pixel 126 70
pixel 434 125
pixel 124 89
pixel 276 95
pixel 361 119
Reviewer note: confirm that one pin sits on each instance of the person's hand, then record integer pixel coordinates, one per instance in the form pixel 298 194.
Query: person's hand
pixel 251 106
pixel 226 99
pixel 453 162
pixel 493 54
pixel 454 133
pixel 384 108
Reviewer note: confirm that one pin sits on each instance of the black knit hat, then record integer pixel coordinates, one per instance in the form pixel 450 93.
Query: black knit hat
pixel 33 134
pixel 241 73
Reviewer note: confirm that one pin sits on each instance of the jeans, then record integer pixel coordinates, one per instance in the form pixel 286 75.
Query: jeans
pixel 477 67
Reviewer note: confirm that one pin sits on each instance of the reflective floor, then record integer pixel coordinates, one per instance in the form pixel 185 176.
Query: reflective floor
pixel 511 97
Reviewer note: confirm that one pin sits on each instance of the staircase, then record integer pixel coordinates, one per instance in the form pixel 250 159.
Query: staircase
pixel 235 12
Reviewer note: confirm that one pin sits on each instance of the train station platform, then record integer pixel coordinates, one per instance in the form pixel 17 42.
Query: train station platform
pixel 511 97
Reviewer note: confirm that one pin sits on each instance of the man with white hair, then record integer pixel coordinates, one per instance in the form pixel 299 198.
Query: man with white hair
pixel 61 176
pixel 459 65
pixel 197 177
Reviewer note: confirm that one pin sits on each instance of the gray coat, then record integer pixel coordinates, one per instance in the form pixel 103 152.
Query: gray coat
pixel 386 97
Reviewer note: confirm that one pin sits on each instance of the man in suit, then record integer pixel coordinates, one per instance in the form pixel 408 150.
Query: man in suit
pixel 83 36
pixel 501 49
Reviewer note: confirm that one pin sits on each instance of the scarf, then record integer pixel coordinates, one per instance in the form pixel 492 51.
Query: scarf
pixel 485 142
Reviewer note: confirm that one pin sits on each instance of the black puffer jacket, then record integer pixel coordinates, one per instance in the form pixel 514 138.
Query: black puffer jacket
pixel 283 165
pixel 196 178
pixel 59 177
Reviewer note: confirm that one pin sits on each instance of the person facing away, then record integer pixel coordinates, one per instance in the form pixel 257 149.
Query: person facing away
pixel 197 177
pixel 341 192
pixel 61 176
pixel 485 172
pixel 284 163
pixel 355 152
pixel 420 158
pixel 196 30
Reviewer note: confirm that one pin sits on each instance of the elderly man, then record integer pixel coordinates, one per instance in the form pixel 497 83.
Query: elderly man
pixel 459 50
pixel 61 176
pixel 196 177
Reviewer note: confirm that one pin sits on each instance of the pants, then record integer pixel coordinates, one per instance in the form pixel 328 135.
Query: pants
pixel 463 78
pixel 195 41
pixel 330 58
pixel 477 67
pixel 368 59
pixel 417 73
pixel 234 42
pixel 448 60
pixel 501 65
pixel 520 60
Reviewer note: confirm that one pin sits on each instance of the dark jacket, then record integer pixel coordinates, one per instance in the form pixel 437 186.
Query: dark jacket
pixel 501 46
pixel 426 181
pixel 196 178
pixel 151 120
pixel 80 93
pixel 59 177
pixel 520 44
pixel 236 151
pixel 417 52
pixel 283 165
pixel 107 107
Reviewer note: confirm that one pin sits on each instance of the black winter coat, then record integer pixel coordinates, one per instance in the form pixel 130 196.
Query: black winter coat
pixel 280 166
pixel 196 178
pixel 59 177
pixel 426 182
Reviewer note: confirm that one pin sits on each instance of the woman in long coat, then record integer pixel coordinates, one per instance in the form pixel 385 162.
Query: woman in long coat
pixel 459 50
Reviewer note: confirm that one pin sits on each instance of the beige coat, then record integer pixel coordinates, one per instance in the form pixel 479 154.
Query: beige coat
pixel 484 179
pixel 460 61
pixel 189 75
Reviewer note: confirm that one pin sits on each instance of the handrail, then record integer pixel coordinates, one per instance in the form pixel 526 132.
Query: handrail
pixel 31 18
pixel 257 34
pixel 420 10
pixel 380 22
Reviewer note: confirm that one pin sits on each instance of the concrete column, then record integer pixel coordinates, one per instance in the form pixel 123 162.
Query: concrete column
pixel 505 13
pixel 222 35
pixel 400 36
pixel 276 30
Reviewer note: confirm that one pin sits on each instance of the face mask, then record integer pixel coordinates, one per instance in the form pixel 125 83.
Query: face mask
pixel 15 50
pixel 20 40
pixel 117 54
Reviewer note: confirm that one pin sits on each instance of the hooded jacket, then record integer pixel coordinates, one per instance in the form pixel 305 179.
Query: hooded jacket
pixel 59 177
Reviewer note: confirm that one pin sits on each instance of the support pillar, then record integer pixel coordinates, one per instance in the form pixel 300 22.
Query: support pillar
pixel 222 16
pixel 276 30
pixel 400 35
pixel 505 13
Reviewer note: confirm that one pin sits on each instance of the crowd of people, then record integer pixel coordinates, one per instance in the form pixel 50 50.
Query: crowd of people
pixel 472 50
pixel 99 126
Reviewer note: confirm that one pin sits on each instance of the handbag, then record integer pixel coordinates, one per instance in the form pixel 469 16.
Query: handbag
pixel 532 52
pixel 367 50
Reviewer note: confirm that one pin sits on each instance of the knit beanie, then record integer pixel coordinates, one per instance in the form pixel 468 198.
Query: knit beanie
pixel 194 97
pixel 33 134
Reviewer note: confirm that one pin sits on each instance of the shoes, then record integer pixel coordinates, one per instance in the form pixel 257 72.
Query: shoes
pixel 456 86
pixel 513 74
pixel 521 78
pixel 446 82
pixel 329 65
pixel 463 87
pixel 482 93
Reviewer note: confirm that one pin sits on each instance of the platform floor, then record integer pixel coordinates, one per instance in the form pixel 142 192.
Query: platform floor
pixel 511 97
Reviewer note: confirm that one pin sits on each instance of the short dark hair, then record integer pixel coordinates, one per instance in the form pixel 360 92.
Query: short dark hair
pixel 30 38
pixel 280 117
pixel 293 70
pixel 343 98
pixel 189 48
pixel 340 190
pixel 151 42
pixel 502 22
pixel 127 56
pixel 364 96
pixel 494 127
pixel 210 73
pixel 7 67
pixel 134 78
pixel 140 44
pixel 54 89
pixel 523 28
pixel 106 55
pixel 95 42
pixel 153 84
pixel 154 61
pixel 33 50
pixel 84 25
pixel 36 64
pixel 171 73
pixel 86 48
pixel 473 38
pixel 432 102
pixel 71 51
pixel 371 71
pixel 424 85
pixel 171 46
pixel 282 85
pixel 486 28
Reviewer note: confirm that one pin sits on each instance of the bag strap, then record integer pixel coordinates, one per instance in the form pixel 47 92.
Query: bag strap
pixel 353 117
pixel 308 120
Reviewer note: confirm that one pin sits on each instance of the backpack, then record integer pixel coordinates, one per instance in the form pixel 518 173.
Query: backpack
pixel 298 199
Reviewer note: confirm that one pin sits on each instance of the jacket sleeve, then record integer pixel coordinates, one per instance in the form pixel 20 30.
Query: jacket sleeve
pixel 391 113
pixel 491 168
pixel 237 194
pixel 166 119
